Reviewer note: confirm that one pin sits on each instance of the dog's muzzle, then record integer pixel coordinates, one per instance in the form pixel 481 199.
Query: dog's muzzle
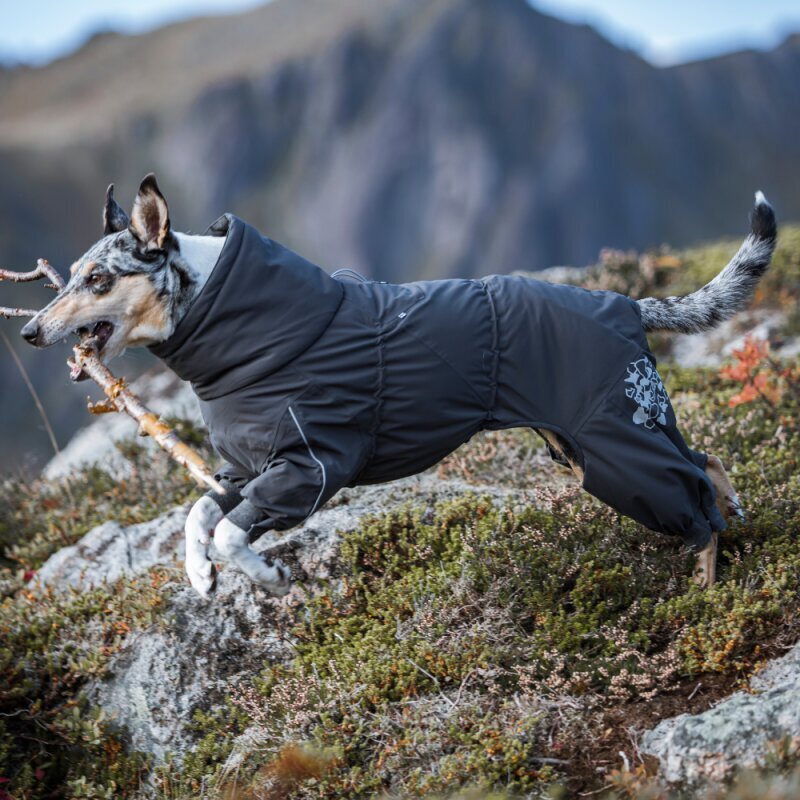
pixel 30 332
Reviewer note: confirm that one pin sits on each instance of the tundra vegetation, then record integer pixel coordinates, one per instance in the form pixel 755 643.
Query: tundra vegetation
pixel 476 649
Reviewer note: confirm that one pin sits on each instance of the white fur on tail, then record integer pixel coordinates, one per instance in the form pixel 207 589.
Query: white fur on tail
pixel 728 292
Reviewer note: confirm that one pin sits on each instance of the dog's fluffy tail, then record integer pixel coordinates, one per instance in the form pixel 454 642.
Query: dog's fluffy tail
pixel 729 292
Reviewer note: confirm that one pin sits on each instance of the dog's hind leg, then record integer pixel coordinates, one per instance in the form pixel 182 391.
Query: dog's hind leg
pixel 705 571
pixel 232 543
pixel 727 500
pixel 560 448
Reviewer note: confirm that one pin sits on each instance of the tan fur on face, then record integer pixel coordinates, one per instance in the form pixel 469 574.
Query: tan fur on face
pixel 139 316
pixel 146 319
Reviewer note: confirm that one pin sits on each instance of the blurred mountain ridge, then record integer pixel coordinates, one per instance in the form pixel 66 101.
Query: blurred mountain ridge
pixel 406 139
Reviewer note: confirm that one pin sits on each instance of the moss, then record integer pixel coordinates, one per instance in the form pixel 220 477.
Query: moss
pixel 52 743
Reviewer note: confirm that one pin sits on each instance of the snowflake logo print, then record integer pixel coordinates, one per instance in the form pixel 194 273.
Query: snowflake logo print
pixel 647 391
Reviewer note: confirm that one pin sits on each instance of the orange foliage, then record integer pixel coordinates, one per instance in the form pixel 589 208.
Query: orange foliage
pixel 763 376
pixel 760 376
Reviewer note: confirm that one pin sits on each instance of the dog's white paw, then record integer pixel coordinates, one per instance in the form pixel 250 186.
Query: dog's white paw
pixel 203 577
pixel 274 576
pixel 203 518
pixel 232 543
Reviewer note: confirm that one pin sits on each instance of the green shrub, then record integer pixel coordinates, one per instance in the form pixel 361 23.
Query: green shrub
pixel 52 744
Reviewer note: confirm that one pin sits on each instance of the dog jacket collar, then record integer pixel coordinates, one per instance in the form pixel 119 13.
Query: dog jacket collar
pixel 309 384
pixel 258 297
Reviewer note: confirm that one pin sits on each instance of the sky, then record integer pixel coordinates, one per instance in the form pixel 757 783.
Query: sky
pixel 663 31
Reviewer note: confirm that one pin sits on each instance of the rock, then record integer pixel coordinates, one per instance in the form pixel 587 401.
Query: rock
pixel 710 349
pixel 111 550
pixel 738 732
pixel 198 655
pixel 203 649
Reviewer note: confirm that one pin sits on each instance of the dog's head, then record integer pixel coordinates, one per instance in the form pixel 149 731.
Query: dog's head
pixel 123 290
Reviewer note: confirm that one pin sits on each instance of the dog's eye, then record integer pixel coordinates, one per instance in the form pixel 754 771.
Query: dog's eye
pixel 99 283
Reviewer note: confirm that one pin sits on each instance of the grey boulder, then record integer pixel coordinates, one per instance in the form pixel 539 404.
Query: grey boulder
pixel 738 732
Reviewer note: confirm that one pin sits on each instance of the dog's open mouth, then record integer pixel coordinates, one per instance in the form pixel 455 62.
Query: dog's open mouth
pixel 96 337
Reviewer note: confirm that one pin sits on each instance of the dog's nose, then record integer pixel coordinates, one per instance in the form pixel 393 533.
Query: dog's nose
pixel 30 333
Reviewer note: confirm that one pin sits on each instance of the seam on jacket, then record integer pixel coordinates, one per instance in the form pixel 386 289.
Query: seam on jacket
pixel 379 388
pixel 349 273
pixel 378 400
pixel 495 347
pixel 319 463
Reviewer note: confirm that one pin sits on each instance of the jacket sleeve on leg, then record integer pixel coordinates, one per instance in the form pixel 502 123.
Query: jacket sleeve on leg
pixel 310 464
pixel 232 480
pixel 636 460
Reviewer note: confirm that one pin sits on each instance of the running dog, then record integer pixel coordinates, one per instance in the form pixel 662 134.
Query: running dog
pixel 310 383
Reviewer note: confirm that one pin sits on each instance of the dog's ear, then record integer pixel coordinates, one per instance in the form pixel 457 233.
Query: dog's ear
pixel 150 216
pixel 114 218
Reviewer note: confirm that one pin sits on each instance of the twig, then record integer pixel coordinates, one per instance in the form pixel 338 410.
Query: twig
pixel 433 678
pixel 34 394
pixel 694 691
pixel 6 313
pixel 43 270
pixel 126 401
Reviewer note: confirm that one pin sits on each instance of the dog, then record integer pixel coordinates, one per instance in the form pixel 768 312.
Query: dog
pixel 310 383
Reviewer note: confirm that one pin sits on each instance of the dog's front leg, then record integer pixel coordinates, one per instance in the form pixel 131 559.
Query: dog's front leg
pixel 232 543
pixel 200 524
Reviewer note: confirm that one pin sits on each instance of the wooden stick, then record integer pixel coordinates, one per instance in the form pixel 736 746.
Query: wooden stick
pixel 126 401
pixel 116 390
pixel 5 313
pixel 43 270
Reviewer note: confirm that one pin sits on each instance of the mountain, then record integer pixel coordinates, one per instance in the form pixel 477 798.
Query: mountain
pixel 403 138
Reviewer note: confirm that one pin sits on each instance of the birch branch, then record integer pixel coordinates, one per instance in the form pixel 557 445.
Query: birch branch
pixel 124 400
pixel 120 397
pixel 6 313
pixel 43 270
